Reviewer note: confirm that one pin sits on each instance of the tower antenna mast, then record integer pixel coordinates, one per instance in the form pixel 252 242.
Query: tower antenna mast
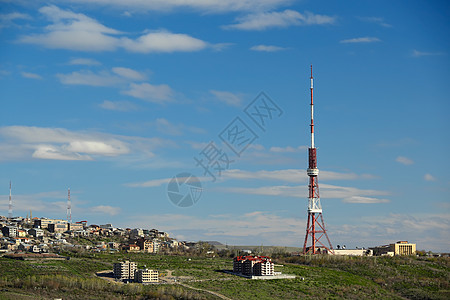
pixel 10 212
pixel 315 227
pixel 69 208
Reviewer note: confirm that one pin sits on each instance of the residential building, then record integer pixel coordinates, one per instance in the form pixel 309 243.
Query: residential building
pixel 57 227
pixel 148 245
pixel 146 276
pixel 131 248
pixel 125 270
pixel 10 231
pixel 137 232
pixel 75 226
pixel 36 232
pixel 44 222
pixel 399 248
pixel 253 265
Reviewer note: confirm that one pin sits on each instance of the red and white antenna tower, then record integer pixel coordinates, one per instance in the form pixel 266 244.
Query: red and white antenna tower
pixel 315 228
pixel 69 208
pixel 10 202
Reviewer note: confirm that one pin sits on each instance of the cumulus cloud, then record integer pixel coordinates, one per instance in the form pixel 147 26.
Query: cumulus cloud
pixel 152 93
pixel 254 227
pixel 267 48
pixel 429 177
pixel 229 98
pixel 84 61
pixel 129 73
pixel 286 18
pixel 78 32
pixel 114 77
pixel 73 31
pixel 7 20
pixel 287 175
pixel 118 105
pixel 163 42
pixel 22 142
pixel 31 75
pixel 404 160
pixel 366 39
pixel 211 6
pixel 106 209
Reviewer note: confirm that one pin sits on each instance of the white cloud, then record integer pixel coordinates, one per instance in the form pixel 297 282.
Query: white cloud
pixel 118 105
pixel 288 175
pixel 404 160
pixel 7 20
pixel 57 153
pixel 253 227
pixel 429 177
pixel 428 231
pixel 267 48
pixel 211 6
pixel 286 18
pixel 54 204
pixel 288 149
pixel 417 53
pixel 152 93
pixel 78 32
pixel 117 76
pixel 90 78
pixel 327 191
pixel 129 73
pixel 84 61
pixel 31 75
pixel 106 209
pixel 163 41
pixel 375 20
pixel 73 31
pixel 164 126
pixel 366 39
pixel 364 200
pixel 227 97
pixel 22 142
pixel 150 183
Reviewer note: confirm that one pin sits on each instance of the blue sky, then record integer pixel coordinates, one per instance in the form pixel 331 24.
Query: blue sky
pixel 114 98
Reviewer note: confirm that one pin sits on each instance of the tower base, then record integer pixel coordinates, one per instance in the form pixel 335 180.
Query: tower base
pixel 315 231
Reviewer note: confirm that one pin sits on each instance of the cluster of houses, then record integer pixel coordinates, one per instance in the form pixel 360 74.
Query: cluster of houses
pixel 41 235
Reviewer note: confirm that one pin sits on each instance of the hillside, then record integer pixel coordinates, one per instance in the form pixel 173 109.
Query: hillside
pixel 317 278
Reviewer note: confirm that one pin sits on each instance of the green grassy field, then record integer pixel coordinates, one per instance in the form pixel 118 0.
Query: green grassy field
pixel 317 278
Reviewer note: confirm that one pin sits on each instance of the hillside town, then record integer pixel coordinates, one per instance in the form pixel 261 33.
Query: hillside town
pixel 45 235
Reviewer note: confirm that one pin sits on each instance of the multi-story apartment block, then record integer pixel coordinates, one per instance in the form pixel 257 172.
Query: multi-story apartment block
pixel 253 265
pixel 146 276
pixel 75 226
pixel 36 232
pixel 44 222
pixel 125 270
pixel 10 231
pixel 57 227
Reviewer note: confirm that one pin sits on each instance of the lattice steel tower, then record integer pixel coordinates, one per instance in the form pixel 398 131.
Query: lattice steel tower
pixel 315 228
pixel 69 207
pixel 10 206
